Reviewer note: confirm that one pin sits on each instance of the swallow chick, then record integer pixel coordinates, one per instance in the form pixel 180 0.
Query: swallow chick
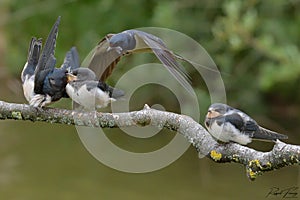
pixel 84 89
pixel 228 124
pixel 43 83
pixel 113 47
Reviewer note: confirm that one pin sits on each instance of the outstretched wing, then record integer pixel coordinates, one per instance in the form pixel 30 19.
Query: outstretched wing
pixel 104 59
pixel 71 60
pixel 46 62
pixel 34 51
pixel 166 56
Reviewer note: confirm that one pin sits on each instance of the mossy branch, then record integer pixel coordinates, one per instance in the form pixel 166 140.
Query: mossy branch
pixel 256 162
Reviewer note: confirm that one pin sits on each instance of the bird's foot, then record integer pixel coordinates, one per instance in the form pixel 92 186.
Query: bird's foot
pixel 40 100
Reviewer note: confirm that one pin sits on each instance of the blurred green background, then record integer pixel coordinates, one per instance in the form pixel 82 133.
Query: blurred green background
pixel 255 45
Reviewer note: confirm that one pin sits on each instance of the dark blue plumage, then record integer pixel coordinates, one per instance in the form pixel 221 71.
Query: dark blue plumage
pixel 43 83
pixel 56 80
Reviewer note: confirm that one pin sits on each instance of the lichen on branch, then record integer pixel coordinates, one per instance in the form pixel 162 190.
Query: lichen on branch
pixel 256 162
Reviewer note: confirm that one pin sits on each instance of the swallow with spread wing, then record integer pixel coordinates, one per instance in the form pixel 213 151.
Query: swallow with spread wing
pixel 43 83
pixel 110 49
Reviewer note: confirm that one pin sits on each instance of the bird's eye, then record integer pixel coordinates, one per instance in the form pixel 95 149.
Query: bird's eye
pixel 52 81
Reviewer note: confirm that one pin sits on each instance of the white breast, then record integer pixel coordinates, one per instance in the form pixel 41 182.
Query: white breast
pixel 28 87
pixel 227 133
pixel 92 99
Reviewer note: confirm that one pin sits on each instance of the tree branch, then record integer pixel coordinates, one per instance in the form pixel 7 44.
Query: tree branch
pixel 256 162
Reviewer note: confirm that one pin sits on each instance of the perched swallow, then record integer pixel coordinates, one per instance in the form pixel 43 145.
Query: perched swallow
pixel 110 49
pixel 84 89
pixel 229 124
pixel 42 82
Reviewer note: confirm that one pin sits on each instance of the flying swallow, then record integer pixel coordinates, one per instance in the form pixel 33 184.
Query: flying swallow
pixel 112 47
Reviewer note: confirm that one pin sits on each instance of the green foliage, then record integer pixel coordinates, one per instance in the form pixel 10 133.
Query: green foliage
pixel 260 42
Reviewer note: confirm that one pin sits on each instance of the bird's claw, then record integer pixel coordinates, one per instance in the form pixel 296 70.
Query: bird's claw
pixel 40 100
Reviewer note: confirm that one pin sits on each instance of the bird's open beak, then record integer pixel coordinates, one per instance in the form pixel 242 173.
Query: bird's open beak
pixel 212 114
pixel 71 77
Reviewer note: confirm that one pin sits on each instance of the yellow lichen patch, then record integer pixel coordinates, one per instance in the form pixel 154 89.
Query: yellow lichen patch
pixel 235 158
pixel 269 165
pixel 16 115
pixel 215 155
pixel 254 162
pixel 251 174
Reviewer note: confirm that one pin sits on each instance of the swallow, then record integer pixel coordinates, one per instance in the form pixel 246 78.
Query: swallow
pixel 228 124
pixel 113 47
pixel 84 89
pixel 43 83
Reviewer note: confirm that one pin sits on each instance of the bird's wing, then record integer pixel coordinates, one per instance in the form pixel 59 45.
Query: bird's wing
pixel 43 66
pixel 113 92
pixel 51 61
pixel 34 51
pixel 166 57
pixel 71 60
pixel 250 127
pixel 103 61
pixel 236 120
pixel 265 134
pixel 90 85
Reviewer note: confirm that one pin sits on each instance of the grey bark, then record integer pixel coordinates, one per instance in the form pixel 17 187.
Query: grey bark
pixel 256 162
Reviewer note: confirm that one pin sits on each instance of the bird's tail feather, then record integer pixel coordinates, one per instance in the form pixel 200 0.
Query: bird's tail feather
pixel 116 93
pixel 265 134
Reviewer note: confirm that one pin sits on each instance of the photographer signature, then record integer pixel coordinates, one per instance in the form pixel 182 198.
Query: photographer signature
pixel 291 192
